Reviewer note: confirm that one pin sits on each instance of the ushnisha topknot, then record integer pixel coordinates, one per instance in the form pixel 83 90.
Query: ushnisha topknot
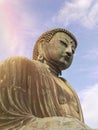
pixel 47 36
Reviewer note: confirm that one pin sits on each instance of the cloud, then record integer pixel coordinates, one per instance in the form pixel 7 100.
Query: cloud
pixel 89 104
pixel 89 66
pixel 17 26
pixel 83 11
pixel 91 54
pixel 90 71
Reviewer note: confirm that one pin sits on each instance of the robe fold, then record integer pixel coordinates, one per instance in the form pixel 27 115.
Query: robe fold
pixel 29 90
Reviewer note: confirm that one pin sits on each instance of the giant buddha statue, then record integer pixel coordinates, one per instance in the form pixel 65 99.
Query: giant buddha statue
pixel 33 93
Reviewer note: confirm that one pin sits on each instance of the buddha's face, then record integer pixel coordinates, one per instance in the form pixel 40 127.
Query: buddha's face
pixel 60 49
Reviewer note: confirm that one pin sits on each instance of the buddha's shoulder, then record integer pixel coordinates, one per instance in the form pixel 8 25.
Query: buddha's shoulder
pixel 16 59
pixel 20 60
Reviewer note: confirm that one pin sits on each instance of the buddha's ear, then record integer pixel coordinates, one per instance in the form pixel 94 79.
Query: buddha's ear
pixel 41 51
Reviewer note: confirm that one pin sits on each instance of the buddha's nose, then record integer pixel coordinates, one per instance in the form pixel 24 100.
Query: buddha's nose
pixel 69 54
pixel 68 51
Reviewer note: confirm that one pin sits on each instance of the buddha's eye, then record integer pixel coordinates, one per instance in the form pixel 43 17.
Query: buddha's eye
pixel 73 50
pixel 63 43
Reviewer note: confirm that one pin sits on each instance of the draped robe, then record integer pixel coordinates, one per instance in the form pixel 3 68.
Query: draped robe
pixel 29 90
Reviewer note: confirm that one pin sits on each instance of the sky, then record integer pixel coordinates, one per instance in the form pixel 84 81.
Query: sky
pixel 23 21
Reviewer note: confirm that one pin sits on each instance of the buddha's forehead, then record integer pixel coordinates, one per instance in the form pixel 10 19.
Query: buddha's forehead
pixel 63 36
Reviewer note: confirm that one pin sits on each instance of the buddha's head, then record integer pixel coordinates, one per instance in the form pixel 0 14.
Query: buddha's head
pixel 56 46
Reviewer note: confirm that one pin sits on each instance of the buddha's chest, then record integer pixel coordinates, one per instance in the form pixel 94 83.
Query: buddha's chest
pixel 66 95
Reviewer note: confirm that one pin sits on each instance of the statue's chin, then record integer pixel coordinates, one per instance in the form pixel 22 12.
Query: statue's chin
pixel 64 65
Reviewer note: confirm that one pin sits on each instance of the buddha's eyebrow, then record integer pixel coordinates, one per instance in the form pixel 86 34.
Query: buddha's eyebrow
pixel 63 41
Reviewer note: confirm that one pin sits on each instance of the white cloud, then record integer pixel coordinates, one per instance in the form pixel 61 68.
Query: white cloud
pixel 89 102
pixel 91 54
pixel 90 64
pixel 17 26
pixel 83 11
pixel 90 71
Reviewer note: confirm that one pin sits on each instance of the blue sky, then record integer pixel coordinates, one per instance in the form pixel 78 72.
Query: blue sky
pixel 23 21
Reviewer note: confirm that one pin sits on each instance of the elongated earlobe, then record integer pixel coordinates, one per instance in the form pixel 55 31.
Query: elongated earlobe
pixel 40 52
pixel 40 58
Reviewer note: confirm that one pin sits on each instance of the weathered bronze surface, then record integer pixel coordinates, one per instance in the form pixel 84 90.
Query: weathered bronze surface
pixel 33 96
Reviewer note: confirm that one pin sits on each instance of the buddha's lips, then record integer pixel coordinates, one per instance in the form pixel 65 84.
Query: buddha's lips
pixel 66 57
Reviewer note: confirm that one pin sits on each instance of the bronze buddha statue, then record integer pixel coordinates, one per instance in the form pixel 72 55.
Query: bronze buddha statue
pixel 33 89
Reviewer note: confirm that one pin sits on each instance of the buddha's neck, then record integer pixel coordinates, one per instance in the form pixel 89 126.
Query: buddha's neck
pixel 54 69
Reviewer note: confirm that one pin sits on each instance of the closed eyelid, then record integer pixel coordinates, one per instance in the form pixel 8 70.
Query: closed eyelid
pixel 63 42
pixel 73 49
pixel 73 44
